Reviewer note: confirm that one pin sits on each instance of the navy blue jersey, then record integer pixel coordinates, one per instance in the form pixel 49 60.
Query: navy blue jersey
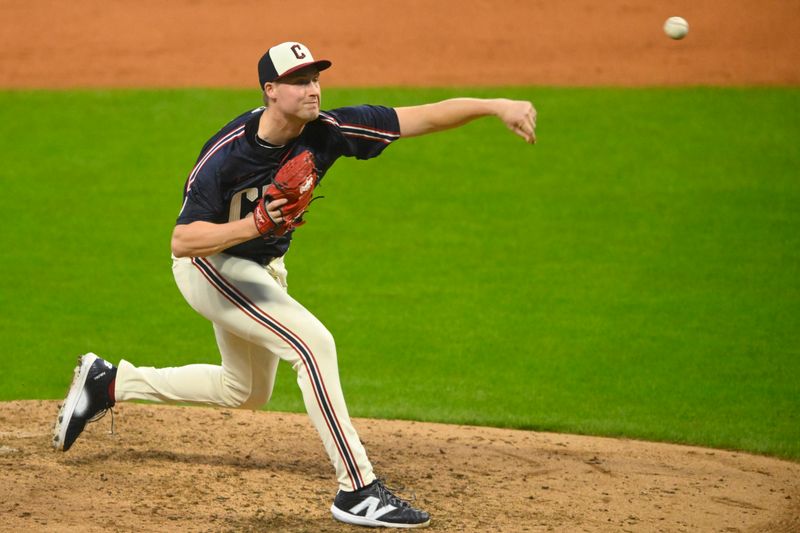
pixel 235 166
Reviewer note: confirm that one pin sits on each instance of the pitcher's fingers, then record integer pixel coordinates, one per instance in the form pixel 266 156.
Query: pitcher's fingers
pixel 275 204
pixel 526 131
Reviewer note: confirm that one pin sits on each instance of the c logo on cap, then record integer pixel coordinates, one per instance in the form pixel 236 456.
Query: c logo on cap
pixel 298 51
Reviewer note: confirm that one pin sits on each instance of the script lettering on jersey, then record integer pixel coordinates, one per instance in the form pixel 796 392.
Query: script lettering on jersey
pixel 298 51
pixel 252 195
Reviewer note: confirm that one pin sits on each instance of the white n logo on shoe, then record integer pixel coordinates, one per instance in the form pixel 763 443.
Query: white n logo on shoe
pixel 371 505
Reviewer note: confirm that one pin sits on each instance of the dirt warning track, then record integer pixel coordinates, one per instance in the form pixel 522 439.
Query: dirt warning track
pixel 149 43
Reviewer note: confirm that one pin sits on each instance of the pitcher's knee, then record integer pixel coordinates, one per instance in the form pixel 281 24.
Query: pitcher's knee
pixel 321 342
pixel 238 396
pixel 314 343
pixel 256 400
pixel 234 395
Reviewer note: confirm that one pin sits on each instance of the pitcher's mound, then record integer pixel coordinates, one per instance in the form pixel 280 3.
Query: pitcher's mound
pixel 195 469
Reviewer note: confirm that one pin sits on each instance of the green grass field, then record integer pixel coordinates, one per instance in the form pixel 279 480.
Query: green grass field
pixel 636 273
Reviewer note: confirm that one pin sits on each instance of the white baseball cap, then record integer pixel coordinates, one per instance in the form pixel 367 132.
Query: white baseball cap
pixel 285 58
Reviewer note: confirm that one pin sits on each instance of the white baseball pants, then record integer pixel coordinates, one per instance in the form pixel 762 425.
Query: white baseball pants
pixel 256 324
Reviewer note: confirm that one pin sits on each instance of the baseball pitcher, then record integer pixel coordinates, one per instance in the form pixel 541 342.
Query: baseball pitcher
pixel 242 203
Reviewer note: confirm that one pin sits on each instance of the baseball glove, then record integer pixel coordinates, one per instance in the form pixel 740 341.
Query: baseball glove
pixel 294 181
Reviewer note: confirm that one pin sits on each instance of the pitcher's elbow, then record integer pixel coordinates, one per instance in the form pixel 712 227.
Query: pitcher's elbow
pixel 178 248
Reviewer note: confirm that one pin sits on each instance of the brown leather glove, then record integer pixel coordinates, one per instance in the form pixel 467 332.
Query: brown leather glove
pixel 294 181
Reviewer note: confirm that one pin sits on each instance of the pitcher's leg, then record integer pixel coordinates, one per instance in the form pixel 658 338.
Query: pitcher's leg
pixel 244 379
pixel 285 328
pixel 242 359
pixel 201 384
pixel 314 360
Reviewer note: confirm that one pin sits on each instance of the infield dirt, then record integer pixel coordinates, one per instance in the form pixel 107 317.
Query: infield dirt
pixel 195 469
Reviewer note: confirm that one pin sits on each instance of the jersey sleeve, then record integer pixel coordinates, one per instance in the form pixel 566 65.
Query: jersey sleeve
pixel 363 131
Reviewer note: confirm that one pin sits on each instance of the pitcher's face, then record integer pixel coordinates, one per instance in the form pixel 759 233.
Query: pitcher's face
pixel 297 94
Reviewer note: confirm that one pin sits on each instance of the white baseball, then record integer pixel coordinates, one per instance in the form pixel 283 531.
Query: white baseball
pixel 676 27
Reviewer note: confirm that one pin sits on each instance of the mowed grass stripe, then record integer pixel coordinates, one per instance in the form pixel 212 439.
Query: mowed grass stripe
pixel 635 273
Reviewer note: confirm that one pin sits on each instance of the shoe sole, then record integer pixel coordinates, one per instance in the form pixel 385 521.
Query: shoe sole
pixel 347 518
pixel 68 407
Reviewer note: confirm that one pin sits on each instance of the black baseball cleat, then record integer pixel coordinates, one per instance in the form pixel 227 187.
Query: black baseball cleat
pixel 376 506
pixel 88 399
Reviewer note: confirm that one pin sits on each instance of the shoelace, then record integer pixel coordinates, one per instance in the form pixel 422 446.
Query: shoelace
pixel 390 496
pixel 101 414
